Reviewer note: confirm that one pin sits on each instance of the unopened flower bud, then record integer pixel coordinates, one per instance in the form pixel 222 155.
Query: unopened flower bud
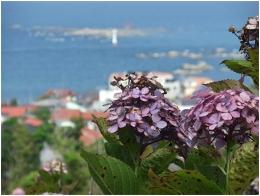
pixel 232 29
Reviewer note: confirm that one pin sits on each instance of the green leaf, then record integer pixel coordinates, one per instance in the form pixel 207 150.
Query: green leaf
pixel 158 161
pixel 68 189
pixel 182 182
pixel 254 57
pixel 243 168
pixel 147 151
pixel 112 175
pixel 118 151
pixel 164 143
pixel 239 66
pixel 225 85
pixel 202 156
pixel 46 182
pixel 207 161
pixel 215 174
pixel 249 68
pixel 128 138
pixel 102 125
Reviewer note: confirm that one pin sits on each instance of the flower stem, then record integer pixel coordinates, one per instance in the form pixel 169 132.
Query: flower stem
pixel 228 156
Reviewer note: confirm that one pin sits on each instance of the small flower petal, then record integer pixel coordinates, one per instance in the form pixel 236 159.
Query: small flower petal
pixel 113 129
pixel 226 116
pixel 161 124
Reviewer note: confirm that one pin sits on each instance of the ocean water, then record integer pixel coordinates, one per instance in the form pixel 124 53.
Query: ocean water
pixel 33 64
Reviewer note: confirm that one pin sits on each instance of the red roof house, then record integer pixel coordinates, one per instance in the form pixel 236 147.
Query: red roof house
pixel 16 111
pixel 67 114
pixel 34 122
pixel 89 136
pixel 13 111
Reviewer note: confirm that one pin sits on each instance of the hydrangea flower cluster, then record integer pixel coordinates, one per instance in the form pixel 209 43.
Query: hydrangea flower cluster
pixel 223 115
pixel 55 166
pixel 248 35
pixel 142 105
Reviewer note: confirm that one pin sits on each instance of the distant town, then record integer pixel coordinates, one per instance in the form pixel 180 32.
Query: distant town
pixel 65 105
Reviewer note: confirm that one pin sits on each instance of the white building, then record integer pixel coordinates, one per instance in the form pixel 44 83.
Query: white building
pixel 177 89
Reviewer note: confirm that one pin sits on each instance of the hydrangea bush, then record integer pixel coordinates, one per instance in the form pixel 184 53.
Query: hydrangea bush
pixel 211 148
pixel 154 148
pixel 222 116
pixel 202 148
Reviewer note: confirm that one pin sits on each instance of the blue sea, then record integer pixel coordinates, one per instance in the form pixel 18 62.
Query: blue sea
pixel 33 64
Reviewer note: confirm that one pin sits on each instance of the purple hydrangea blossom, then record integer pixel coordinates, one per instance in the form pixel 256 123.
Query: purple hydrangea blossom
pixel 142 105
pixel 219 116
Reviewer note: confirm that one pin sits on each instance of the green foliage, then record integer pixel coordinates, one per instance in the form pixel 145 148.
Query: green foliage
pixel 77 173
pixel 158 161
pixel 128 139
pixel 254 57
pixel 147 151
pixel 76 165
pixel 75 132
pixel 243 168
pixel 46 182
pixel 43 113
pixel 23 151
pixel 244 67
pixel 13 102
pixel 182 182
pixel 208 162
pixel 18 154
pixel 225 85
pixel 102 125
pixel 43 134
pixel 28 180
pixel 120 152
pixel 112 175
pixel 202 156
pixel 6 154
pixel 239 66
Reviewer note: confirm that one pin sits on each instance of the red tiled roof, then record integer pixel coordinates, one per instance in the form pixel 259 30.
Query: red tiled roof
pixel 65 114
pixel 13 111
pixel 88 115
pixel 17 111
pixel 89 136
pixel 33 122
pixel 68 114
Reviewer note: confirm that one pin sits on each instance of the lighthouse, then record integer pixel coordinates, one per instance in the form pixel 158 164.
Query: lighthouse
pixel 114 37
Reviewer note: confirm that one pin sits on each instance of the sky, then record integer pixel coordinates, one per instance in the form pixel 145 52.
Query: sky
pixel 184 15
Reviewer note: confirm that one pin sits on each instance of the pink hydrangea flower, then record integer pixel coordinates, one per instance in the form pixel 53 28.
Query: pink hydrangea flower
pixel 219 116
pixel 142 106
pixel 18 191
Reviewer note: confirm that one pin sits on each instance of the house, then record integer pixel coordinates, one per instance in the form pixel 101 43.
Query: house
pixel 62 117
pixel 13 111
pixel 49 102
pixel 8 111
pixel 89 136
pixel 32 122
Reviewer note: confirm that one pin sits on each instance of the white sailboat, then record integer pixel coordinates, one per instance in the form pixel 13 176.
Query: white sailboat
pixel 114 37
